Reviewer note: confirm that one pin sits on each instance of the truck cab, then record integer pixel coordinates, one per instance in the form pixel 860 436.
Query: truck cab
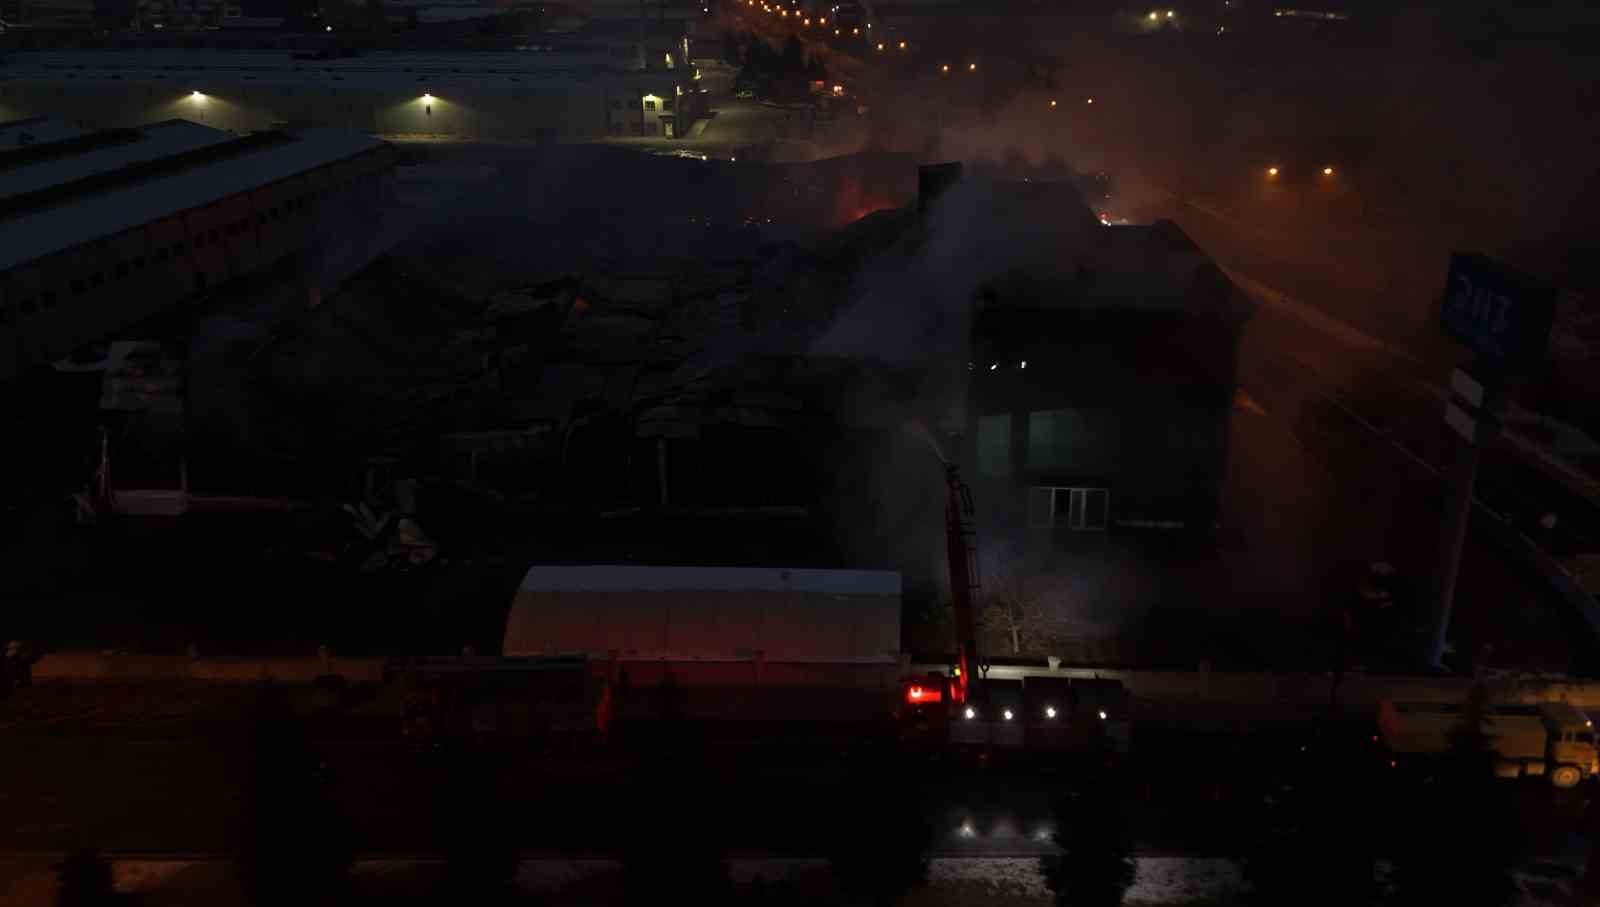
pixel 1570 743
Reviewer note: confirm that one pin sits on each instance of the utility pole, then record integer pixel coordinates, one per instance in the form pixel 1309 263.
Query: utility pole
pixel 1504 317
pixel 1472 412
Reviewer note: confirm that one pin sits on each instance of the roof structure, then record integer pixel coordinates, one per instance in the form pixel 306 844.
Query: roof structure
pixel 35 130
pixel 111 189
pixel 1040 247
pixel 158 140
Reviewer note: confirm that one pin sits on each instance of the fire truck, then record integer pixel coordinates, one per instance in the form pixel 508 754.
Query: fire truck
pixel 963 707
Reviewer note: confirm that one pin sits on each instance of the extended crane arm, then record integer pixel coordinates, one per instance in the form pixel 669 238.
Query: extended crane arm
pixel 963 579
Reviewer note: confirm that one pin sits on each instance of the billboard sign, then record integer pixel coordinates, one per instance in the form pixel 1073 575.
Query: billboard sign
pixel 1500 313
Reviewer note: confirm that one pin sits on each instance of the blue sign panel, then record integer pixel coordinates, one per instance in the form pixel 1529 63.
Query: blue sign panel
pixel 1502 314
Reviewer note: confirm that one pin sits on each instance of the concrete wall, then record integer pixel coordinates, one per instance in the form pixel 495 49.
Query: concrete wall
pixel 97 667
pixel 1161 384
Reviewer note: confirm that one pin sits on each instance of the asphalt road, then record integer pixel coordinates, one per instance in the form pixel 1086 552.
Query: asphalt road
pixel 1339 442
pixel 184 793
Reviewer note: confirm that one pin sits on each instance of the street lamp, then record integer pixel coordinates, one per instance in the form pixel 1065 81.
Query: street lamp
pixel 972 67
pixel 1272 171
pixel 1327 171
pixel 1052 102
pixel 944 67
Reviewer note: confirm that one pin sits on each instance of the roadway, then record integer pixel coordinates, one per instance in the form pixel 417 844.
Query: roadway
pixel 178 788
pixel 181 791
pixel 1338 452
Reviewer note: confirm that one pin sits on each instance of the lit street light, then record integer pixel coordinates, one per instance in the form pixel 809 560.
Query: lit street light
pixel 1272 171
pixel 1090 101
pixel 972 67
pixel 1327 171
pixel 1052 103
pixel 945 67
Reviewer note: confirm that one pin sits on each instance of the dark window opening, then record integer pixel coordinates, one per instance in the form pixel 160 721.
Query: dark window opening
pixel 77 287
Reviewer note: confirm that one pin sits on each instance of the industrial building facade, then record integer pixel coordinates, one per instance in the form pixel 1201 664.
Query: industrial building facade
pixel 487 96
pixel 101 229
pixel 1103 385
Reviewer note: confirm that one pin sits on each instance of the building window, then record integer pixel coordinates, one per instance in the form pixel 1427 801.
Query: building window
pixel 994 446
pixel 649 105
pixel 616 103
pixel 122 269
pixel 138 262
pixel 200 241
pixel 97 279
pixel 77 287
pixel 666 103
pixel 1078 509
pixel 213 234
pixel 1073 440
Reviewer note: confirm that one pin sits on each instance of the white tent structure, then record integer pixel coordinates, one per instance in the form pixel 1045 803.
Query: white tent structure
pixel 706 614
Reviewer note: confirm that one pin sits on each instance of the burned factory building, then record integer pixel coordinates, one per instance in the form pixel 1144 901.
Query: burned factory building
pixel 1103 384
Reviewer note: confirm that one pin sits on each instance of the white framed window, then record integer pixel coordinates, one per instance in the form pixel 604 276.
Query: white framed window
pixel 1078 509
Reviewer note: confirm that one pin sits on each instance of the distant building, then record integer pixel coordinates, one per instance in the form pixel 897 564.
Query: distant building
pixel 534 94
pixel 101 229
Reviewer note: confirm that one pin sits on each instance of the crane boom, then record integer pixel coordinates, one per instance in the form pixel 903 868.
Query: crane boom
pixel 962 550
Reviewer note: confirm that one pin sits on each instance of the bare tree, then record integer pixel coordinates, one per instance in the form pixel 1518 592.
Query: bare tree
pixel 1014 604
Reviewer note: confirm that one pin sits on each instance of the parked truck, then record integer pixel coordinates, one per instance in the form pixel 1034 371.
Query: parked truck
pixel 1551 739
